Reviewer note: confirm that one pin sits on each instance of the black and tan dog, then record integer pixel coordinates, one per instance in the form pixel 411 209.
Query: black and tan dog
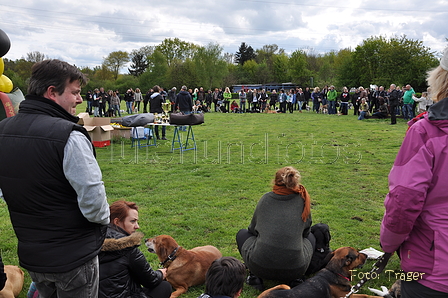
pixel 185 268
pixel 331 282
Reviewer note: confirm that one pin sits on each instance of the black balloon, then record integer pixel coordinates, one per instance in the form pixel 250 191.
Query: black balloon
pixel 5 43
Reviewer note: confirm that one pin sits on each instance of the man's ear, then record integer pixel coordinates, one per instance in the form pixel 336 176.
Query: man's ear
pixel 51 93
pixel 238 293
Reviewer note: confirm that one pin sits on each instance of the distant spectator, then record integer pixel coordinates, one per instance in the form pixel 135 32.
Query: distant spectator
pixel 282 100
pixel 382 111
pixel 421 108
pixel 172 97
pixel 408 103
pixel 138 97
pixel 363 109
pixel 227 97
pixel 394 97
pixel 234 107
pixel 129 99
pixel 273 99
pixel 332 95
pixel 344 99
pixel 242 97
pixel 316 96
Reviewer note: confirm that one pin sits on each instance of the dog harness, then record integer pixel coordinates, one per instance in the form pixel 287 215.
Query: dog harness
pixel 170 258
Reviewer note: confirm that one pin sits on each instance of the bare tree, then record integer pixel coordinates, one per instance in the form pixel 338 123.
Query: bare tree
pixel 35 57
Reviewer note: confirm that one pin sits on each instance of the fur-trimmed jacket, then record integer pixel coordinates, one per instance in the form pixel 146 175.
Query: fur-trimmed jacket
pixel 123 267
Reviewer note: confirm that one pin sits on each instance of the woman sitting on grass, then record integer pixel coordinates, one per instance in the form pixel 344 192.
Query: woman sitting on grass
pixel 124 271
pixel 278 244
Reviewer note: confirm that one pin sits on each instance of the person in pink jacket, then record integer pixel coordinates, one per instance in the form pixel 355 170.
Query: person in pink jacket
pixel 415 223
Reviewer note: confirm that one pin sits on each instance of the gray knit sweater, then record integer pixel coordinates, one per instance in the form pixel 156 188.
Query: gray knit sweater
pixel 280 251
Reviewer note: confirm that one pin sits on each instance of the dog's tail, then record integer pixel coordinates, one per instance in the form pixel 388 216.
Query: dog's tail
pixel 266 294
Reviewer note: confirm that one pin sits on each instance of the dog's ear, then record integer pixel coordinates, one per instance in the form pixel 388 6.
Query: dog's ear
pixel 348 260
pixel 161 249
pixel 350 257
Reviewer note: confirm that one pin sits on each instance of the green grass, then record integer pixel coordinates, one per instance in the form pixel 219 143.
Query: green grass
pixel 205 196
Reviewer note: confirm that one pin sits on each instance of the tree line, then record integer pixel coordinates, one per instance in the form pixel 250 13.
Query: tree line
pixel 377 60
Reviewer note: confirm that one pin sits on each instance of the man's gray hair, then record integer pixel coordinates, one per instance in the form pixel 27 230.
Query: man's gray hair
pixel 184 87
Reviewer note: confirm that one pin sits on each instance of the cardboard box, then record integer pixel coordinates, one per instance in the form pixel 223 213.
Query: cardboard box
pixel 121 132
pixel 99 128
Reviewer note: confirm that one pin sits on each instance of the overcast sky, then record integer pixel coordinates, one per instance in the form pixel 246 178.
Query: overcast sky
pixel 84 32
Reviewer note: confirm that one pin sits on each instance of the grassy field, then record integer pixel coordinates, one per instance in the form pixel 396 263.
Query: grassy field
pixel 205 196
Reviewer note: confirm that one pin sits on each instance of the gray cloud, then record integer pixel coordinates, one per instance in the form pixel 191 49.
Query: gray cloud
pixel 84 33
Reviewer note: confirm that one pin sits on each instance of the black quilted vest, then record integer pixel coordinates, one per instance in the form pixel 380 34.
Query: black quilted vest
pixel 53 235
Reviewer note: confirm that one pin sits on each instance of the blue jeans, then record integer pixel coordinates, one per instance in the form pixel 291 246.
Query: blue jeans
pixel 242 106
pixel 79 282
pixel 129 107
pixel 331 107
pixel 362 114
pixel 116 110
pixel 408 112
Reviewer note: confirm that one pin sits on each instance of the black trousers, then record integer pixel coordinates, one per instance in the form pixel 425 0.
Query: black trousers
pixel 163 290
pixel 244 234
pixel 157 131
pixel 413 289
pixel 393 115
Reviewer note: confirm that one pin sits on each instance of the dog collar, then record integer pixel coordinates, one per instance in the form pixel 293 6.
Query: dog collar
pixel 170 258
pixel 343 276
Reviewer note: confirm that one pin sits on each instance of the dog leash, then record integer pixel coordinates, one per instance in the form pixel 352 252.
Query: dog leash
pixel 170 258
pixel 377 268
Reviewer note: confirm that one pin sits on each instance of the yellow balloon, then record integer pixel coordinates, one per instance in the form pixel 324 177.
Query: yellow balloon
pixel 2 66
pixel 5 84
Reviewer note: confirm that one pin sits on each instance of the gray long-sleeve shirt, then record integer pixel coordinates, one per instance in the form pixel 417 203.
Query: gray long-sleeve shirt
pixel 84 174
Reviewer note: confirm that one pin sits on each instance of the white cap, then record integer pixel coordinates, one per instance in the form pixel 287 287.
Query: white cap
pixel 444 60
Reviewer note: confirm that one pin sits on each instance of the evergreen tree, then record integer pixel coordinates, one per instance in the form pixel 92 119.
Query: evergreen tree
pixel 139 64
pixel 245 53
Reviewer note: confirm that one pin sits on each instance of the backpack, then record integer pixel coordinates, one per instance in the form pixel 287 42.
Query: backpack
pixel 321 254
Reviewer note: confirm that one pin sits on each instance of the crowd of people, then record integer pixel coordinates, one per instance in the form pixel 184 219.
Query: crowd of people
pixel 365 102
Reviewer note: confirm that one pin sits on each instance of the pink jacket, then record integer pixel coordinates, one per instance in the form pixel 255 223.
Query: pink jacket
pixel 416 218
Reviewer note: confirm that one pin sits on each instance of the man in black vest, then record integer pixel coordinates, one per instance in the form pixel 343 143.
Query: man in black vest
pixel 394 97
pixel 53 185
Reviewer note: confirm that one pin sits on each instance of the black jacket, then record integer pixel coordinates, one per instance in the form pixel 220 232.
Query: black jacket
pixel 394 97
pixel 184 101
pixel 123 267
pixel 53 235
pixel 155 103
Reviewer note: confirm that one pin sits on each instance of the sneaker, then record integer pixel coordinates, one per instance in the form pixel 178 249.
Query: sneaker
pixel 163 138
pixel 255 282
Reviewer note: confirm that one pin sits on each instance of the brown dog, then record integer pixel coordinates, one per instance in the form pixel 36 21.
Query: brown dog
pixel 331 282
pixel 14 282
pixel 185 268
pixel 269 111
